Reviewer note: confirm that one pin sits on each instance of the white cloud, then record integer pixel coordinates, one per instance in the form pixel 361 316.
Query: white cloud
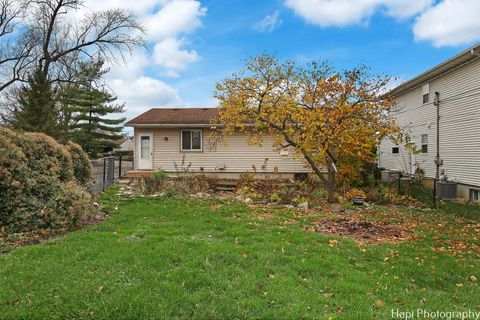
pixel 451 22
pixel 269 23
pixel 350 12
pixel 131 67
pixel 143 93
pixel 168 23
pixel 168 53
pixel 176 17
pixel 138 6
pixel 403 9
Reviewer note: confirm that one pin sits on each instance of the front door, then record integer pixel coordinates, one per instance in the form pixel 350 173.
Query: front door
pixel 145 151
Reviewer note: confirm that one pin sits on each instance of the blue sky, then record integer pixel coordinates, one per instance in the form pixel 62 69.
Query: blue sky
pixel 192 44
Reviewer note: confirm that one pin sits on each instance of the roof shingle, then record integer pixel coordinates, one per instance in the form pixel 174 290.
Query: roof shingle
pixel 173 116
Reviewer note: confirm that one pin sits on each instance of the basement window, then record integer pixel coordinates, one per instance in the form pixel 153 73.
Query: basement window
pixel 474 195
pixel 424 143
pixel 395 150
pixel 191 140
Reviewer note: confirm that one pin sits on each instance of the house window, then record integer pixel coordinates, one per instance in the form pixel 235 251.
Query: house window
pixel 425 92
pixel 474 195
pixel 191 140
pixel 425 98
pixel 395 150
pixel 424 143
pixel 144 147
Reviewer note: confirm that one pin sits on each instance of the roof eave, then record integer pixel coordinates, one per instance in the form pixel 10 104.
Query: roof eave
pixel 171 125
pixel 452 63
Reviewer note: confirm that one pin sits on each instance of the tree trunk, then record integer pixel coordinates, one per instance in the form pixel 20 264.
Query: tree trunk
pixel 332 197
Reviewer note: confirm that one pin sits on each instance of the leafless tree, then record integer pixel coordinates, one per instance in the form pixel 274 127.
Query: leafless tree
pixel 16 47
pixel 62 37
pixel 57 37
pixel 54 38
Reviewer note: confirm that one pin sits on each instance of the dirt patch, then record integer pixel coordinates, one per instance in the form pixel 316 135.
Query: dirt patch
pixel 362 230
pixel 21 239
pixel 91 220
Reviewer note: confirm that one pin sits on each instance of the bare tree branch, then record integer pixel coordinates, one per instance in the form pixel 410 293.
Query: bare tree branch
pixel 16 46
pixel 48 35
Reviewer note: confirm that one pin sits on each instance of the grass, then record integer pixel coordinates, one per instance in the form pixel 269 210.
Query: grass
pixel 165 258
pixel 425 195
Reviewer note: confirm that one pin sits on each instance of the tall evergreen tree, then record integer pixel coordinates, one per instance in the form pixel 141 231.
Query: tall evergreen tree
pixel 91 110
pixel 37 111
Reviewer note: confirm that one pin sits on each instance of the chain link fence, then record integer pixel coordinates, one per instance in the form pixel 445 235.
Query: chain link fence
pixel 108 169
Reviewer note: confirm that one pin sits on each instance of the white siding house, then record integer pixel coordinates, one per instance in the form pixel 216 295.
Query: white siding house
pixel 126 144
pixel 457 83
pixel 166 138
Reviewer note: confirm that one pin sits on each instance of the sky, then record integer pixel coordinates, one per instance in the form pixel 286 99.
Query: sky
pixel 193 44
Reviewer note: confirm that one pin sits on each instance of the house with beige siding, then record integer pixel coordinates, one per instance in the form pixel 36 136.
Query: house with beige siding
pixel 444 99
pixel 179 139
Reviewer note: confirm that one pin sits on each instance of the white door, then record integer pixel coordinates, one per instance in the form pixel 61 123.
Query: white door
pixel 145 151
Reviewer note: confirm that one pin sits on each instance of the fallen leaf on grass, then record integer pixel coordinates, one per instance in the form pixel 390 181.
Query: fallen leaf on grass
pixel 379 304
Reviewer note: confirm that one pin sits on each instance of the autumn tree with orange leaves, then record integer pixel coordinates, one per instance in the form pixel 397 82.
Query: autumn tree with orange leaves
pixel 333 120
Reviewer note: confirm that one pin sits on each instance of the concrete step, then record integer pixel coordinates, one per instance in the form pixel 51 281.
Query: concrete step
pixel 225 188
pixel 138 174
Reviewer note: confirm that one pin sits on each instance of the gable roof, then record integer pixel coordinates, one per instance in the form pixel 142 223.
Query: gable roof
pixel 174 117
pixel 450 64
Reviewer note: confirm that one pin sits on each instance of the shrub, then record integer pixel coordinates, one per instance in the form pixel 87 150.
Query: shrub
pixel 278 191
pixel 37 184
pixel 160 175
pixel 82 168
pixel 160 183
pixel 48 156
pixel 350 195
pixel 249 192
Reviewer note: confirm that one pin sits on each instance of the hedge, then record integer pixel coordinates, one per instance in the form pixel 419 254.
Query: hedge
pixel 42 183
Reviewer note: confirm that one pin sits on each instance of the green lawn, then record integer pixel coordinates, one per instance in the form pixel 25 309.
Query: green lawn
pixel 161 258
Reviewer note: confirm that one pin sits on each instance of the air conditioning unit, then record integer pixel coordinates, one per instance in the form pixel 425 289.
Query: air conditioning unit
pixel 447 190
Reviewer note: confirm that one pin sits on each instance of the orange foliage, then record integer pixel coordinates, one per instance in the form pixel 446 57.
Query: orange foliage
pixel 330 119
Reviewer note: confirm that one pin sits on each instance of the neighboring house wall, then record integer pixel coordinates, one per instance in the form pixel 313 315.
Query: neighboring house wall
pixel 459 126
pixel 127 145
pixel 236 155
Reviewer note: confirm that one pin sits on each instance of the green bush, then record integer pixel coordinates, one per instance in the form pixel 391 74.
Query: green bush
pixel 160 175
pixel 38 189
pixel 82 168
pixel 48 156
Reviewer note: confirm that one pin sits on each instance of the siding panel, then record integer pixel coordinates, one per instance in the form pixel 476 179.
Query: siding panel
pixel 236 155
pixel 459 125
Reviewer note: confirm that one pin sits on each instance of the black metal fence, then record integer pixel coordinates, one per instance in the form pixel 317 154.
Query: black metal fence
pixel 419 188
pixel 108 169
